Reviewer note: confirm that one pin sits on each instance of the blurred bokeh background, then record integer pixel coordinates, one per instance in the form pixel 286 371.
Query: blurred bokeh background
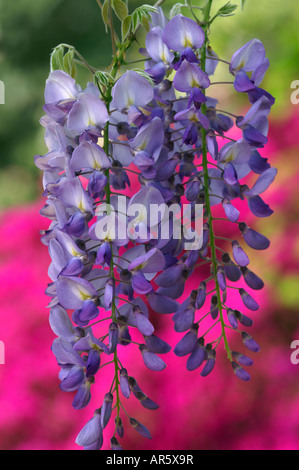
pixel 215 413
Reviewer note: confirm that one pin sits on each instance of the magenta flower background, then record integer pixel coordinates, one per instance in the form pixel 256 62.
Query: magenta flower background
pixel 218 412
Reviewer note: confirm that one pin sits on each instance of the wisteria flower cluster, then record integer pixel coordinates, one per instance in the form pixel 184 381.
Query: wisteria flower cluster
pixel 156 132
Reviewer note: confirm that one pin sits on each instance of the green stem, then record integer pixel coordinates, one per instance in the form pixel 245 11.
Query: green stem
pixel 108 98
pixel 207 13
pixel 112 28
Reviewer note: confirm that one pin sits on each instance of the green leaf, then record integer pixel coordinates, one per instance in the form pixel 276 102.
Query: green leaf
pixel 243 3
pixel 227 9
pixel 188 3
pixel 105 14
pixel 146 24
pixel 63 61
pixel 104 78
pixel 176 10
pixel 126 27
pixel 68 63
pixel 120 9
pixel 140 14
pixel 56 60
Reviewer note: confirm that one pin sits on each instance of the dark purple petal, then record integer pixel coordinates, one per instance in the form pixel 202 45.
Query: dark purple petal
pixel 232 319
pixel 88 312
pixel 210 364
pixel 240 372
pixel 257 163
pixel 97 183
pixel 145 401
pixel 214 307
pixel 253 137
pixel 76 225
pixel 252 280
pixel 243 319
pixel 201 296
pixel 115 445
pixel 157 345
pixel 254 239
pixel 162 304
pixel 221 278
pixel 124 335
pixel 73 380
pixel 170 276
pixel 124 383
pixel 239 254
pixel 197 357
pixel 232 271
pixel 192 189
pixel 152 361
pixel 190 137
pixel 258 207
pixel 166 170
pixel 248 301
pixel 109 293
pixel 140 428
pixel 197 98
pixel 73 268
pixel 230 211
pixel 83 396
pixel 106 410
pixel 243 360
pixel 113 337
pixel 157 72
pixel 104 254
pixel 187 343
pixel 143 324
pixel 250 343
pixel 185 320
pixel 230 175
pixel 93 363
pixel 119 427
pixel 243 83
pixel 140 284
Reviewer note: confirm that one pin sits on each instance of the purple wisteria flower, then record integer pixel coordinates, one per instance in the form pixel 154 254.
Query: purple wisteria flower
pixel 111 263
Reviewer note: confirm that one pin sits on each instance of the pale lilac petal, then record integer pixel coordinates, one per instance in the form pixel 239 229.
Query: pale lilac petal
pixel 89 111
pixel 182 32
pixel 89 156
pixel 131 89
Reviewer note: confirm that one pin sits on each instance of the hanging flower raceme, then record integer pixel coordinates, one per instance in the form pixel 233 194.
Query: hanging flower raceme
pixel 113 255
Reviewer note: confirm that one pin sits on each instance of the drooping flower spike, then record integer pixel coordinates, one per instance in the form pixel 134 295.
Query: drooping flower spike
pixel 116 257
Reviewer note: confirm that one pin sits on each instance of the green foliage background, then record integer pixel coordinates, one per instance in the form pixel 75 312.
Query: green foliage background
pixel 30 29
